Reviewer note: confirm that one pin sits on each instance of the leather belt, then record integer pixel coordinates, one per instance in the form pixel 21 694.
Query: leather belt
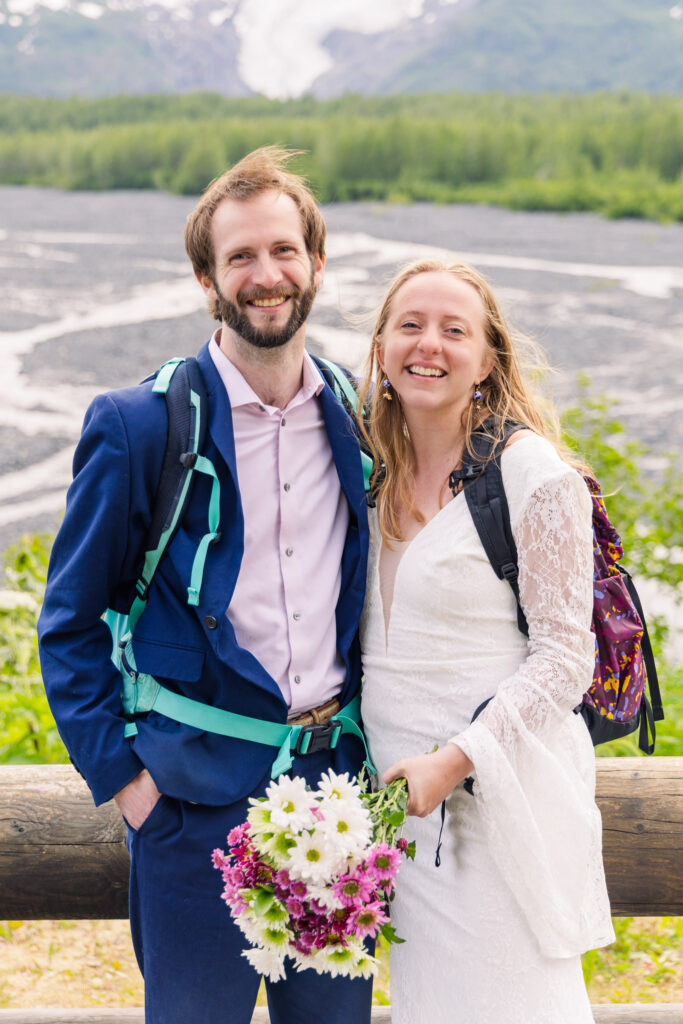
pixel 316 716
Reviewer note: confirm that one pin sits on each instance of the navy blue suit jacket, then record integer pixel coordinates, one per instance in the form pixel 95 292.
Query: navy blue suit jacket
pixel 95 562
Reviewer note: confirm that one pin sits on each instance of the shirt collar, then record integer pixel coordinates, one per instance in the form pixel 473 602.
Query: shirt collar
pixel 241 393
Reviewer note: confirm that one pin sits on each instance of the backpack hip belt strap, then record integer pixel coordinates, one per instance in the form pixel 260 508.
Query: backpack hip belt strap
pixel 146 694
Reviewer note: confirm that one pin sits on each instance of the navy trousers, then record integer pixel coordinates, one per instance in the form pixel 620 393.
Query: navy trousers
pixel 186 943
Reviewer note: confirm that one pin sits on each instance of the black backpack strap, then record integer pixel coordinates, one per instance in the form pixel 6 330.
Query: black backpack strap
pixel 648 656
pixel 482 482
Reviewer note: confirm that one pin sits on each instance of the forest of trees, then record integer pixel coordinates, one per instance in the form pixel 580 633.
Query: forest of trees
pixel 620 154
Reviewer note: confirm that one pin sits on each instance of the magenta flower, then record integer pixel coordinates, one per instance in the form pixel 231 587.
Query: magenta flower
pixel 294 906
pixel 354 889
pixel 368 920
pixel 238 834
pixel 385 861
pixel 219 859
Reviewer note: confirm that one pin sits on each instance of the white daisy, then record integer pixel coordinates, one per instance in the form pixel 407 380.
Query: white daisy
pixel 336 960
pixel 267 962
pixel 314 858
pixel 258 817
pixel 364 965
pixel 291 803
pixel 274 847
pixel 339 786
pixel 347 824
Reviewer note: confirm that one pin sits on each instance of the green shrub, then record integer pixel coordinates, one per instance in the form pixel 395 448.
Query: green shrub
pixel 28 733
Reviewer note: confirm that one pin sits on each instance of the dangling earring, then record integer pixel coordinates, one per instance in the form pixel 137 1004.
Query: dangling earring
pixel 386 384
pixel 477 396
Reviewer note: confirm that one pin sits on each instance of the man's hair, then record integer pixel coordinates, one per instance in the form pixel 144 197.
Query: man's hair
pixel 258 172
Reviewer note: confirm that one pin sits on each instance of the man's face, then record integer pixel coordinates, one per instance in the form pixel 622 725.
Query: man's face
pixel 264 280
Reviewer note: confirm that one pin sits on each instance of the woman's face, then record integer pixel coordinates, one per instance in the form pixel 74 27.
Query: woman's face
pixel 434 349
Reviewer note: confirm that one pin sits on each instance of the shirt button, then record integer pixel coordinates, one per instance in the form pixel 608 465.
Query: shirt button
pixel 289 552
pixel 296 616
pixel 283 421
pixel 210 621
pixel 288 487
pixel 297 679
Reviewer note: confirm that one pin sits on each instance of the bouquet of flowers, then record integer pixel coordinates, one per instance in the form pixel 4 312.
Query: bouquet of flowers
pixel 309 874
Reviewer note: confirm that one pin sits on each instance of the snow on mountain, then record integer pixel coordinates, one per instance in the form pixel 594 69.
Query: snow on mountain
pixel 282 51
pixel 281 42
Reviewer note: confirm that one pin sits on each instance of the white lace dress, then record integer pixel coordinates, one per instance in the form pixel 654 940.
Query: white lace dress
pixel 494 935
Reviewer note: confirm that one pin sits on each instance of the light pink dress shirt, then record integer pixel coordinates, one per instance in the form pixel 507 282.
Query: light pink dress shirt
pixel 296 518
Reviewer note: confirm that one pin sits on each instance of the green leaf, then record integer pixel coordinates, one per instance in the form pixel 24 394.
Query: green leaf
pixel 390 935
pixel 263 901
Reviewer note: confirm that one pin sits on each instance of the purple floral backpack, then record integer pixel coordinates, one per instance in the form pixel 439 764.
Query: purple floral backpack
pixel 616 703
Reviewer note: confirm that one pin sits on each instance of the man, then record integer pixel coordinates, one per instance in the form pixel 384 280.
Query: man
pixel 272 632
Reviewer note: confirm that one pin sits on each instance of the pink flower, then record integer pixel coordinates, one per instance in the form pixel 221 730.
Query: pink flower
pixel 385 861
pixel 295 907
pixel 219 859
pixel 238 834
pixel 368 920
pixel 299 889
pixel 402 845
pixel 354 889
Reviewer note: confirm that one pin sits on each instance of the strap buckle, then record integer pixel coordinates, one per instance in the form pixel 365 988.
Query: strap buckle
pixel 318 737
pixel 509 571
pixel 125 664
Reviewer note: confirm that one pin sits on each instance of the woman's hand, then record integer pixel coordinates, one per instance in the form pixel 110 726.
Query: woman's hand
pixel 430 777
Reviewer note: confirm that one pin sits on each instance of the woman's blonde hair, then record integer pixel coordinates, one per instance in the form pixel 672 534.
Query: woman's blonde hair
pixel 506 395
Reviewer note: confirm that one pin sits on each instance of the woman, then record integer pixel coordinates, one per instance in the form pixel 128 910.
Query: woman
pixel 493 935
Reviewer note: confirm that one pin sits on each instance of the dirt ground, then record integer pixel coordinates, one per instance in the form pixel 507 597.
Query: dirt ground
pixel 91 964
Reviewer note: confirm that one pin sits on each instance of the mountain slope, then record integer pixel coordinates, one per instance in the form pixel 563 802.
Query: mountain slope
pixel 289 47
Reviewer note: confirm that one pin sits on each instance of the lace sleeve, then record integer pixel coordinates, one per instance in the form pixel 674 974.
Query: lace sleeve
pixel 533 759
pixel 555 554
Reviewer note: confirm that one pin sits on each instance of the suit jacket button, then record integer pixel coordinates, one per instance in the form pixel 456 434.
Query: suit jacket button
pixel 210 621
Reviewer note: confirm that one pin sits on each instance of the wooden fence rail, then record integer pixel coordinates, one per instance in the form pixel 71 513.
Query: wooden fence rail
pixel 62 858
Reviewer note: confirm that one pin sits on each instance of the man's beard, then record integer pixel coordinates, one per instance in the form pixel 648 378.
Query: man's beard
pixel 237 319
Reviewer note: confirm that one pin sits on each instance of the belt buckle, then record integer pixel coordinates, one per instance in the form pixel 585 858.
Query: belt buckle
pixel 313 738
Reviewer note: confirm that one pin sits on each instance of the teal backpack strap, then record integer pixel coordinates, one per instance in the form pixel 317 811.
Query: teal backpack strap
pixel 345 393
pixel 342 385
pixel 181 383
pixel 289 739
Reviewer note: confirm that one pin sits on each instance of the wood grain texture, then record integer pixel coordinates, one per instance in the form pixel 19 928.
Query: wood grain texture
pixel 60 857
pixel 641 801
